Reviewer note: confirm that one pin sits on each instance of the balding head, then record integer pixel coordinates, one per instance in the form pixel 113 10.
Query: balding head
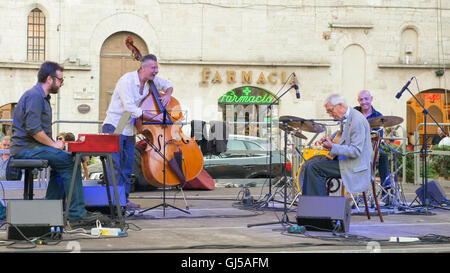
pixel 365 100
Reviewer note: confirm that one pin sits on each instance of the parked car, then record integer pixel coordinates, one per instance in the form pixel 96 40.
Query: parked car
pixel 246 157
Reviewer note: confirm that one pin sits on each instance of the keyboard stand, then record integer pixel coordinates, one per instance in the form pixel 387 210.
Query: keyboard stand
pixel 103 157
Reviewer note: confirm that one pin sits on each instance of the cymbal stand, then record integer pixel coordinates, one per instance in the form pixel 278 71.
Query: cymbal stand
pixel 289 182
pixel 304 162
pixel 395 190
pixel 285 219
pixel 269 197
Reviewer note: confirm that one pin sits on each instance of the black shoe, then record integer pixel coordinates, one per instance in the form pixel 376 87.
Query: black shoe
pixel 90 220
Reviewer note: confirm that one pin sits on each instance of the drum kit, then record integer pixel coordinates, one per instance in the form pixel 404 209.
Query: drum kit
pixel 296 126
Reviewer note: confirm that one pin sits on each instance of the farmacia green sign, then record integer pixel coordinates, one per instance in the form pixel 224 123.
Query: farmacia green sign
pixel 247 95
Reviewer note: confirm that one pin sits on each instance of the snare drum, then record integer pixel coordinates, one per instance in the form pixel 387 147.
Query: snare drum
pixel 308 154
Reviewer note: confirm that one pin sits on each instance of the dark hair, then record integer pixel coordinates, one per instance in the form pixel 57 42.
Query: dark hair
pixel 149 57
pixel 69 137
pixel 48 69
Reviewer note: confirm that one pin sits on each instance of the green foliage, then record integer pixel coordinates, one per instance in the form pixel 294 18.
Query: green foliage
pixel 437 165
pixel 441 162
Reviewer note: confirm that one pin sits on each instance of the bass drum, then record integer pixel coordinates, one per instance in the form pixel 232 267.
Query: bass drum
pixel 308 154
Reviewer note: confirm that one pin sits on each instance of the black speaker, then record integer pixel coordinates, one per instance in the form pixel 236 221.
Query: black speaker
pixel 436 195
pixel 33 218
pixel 324 213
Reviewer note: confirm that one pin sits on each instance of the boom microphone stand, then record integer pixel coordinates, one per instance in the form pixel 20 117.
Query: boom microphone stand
pixel 424 150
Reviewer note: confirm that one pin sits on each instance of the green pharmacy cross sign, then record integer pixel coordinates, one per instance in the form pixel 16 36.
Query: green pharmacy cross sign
pixel 247 95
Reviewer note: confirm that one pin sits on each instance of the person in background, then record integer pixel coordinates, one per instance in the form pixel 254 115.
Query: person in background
pixel 438 136
pixel 71 137
pixel 366 108
pixel 4 145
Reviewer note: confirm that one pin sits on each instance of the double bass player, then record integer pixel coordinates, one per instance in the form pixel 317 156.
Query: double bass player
pixel 130 91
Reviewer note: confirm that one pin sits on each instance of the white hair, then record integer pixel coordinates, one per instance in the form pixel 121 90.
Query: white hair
pixel 335 99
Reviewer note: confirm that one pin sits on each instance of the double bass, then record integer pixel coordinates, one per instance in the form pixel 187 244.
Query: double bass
pixel 170 157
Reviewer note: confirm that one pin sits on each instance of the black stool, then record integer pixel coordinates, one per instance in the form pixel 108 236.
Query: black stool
pixel 28 165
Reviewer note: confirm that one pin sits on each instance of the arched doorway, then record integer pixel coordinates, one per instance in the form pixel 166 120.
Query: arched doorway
pixel 116 60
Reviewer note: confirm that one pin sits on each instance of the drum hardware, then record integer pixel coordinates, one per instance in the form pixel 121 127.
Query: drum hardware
pixel 394 195
pixel 384 121
pixel 302 124
pixel 284 220
pixel 295 132
pixel 269 196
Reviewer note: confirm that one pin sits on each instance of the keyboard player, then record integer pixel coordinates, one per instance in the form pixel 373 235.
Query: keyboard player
pixel 31 138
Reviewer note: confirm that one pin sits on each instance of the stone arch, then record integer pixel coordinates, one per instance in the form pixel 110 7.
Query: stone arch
pixel 353 72
pixel 120 22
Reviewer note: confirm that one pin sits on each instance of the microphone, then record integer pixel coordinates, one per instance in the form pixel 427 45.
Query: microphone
pixel 297 93
pixel 399 94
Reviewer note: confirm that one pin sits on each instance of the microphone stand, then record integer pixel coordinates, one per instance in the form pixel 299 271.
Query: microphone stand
pixel 285 219
pixel 424 150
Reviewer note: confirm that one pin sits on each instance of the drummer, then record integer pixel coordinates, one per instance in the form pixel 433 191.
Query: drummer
pixel 365 107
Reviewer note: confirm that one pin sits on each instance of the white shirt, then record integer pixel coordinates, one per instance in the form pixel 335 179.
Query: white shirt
pixel 126 98
pixel 444 142
pixel 347 113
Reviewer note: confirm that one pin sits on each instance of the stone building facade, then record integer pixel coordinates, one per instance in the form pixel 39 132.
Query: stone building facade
pixel 208 48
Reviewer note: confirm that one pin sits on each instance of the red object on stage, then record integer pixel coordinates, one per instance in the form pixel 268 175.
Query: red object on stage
pixel 203 181
pixel 99 143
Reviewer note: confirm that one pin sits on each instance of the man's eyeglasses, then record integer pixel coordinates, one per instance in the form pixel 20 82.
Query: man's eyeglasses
pixel 330 110
pixel 60 138
pixel 60 79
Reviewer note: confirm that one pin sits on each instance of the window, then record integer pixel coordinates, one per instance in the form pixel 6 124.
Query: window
pixel 237 145
pixel 36 36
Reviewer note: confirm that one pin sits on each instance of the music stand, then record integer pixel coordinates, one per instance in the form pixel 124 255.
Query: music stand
pixel 164 123
pixel 424 150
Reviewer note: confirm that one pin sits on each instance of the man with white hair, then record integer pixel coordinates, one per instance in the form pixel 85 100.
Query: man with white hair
pixel 352 155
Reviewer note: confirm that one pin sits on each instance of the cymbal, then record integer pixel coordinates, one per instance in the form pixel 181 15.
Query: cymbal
pixel 384 121
pixel 301 124
pixel 293 131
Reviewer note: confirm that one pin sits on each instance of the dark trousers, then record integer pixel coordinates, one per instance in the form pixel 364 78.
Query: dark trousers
pixel 124 160
pixel 383 168
pixel 316 172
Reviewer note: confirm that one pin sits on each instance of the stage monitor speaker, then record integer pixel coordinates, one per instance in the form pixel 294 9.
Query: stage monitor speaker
pixel 33 218
pixel 436 195
pixel 324 213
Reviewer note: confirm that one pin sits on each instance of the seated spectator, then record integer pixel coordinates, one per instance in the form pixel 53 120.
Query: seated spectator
pixel 437 137
pixel 4 145
pixel 444 142
pixel 71 137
